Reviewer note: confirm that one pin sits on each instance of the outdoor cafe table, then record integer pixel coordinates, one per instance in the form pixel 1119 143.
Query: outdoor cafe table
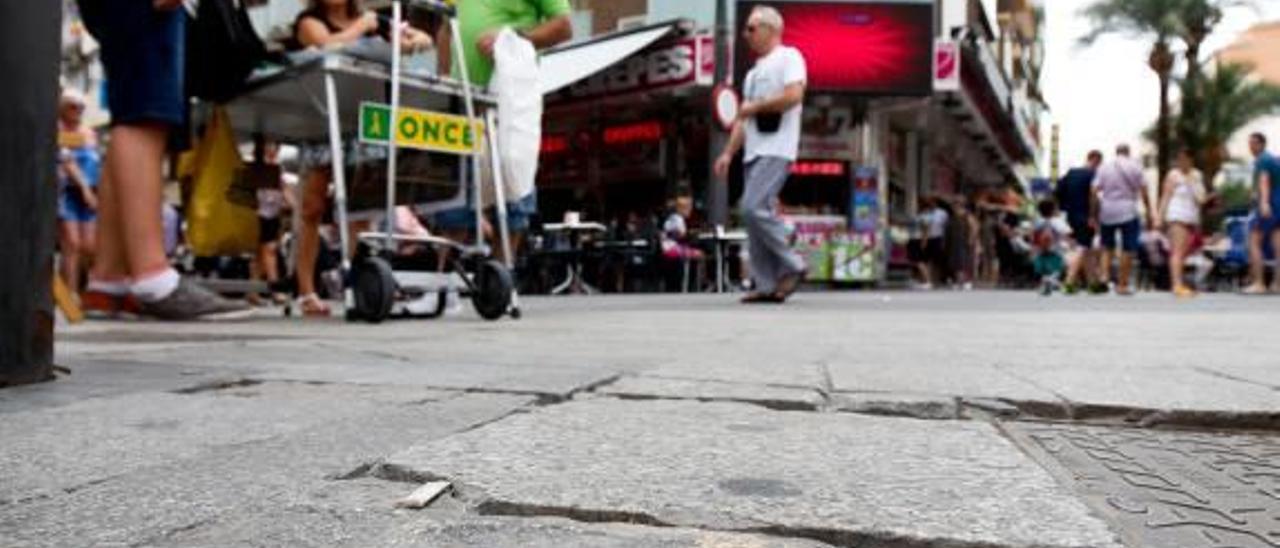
pixel 721 239
pixel 573 282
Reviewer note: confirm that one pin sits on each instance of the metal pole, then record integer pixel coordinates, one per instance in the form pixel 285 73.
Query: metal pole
pixel 396 18
pixel 718 191
pixel 339 170
pixel 468 97
pixel 29 46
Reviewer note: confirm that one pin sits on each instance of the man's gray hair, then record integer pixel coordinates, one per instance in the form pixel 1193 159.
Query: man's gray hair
pixel 768 16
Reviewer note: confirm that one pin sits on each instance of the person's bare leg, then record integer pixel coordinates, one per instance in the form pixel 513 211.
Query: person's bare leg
pixel 1275 247
pixel 316 186
pixel 69 244
pixel 137 154
pixel 1257 278
pixel 1104 269
pixel 270 264
pixel 109 265
pixel 1177 256
pixel 88 244
pixel 1126 272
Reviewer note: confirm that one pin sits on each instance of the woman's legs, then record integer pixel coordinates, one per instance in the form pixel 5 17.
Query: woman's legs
pixel 314 195
pixel 69 244
pixel 1179 238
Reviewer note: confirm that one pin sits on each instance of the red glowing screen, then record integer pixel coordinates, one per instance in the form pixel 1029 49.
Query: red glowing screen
pixel 875 48
pixel 809 168
pixel 639 132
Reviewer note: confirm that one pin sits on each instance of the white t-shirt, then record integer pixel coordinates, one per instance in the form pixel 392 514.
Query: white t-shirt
pixel 935 222
pixel 772 74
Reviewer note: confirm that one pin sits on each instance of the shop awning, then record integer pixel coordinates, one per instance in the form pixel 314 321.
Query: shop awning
pixel 563 66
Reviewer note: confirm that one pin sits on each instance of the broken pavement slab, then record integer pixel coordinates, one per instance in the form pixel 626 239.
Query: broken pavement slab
pixel 838 478
pixel 773 397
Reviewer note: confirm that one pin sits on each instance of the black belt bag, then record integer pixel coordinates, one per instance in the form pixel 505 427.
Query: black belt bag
pixel 768 122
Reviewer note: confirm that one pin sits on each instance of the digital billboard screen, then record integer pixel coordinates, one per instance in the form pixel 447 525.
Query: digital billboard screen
pixel 872 47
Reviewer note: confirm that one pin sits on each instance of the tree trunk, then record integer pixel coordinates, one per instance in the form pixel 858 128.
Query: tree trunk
pixel 1161 61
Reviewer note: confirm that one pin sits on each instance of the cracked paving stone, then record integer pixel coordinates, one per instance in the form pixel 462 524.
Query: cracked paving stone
pixel 63 448
pixel 768 396
pixel 250 491
pixel 1168 489
pixel 725 466
pixel 1155 388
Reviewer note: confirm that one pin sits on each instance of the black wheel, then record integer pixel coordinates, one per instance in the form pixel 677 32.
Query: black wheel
pixel 492 292
pixel 516 314
pixel 375 289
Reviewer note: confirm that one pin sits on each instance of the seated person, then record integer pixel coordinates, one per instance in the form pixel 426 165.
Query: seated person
pixel 330 24
pixel 1051 243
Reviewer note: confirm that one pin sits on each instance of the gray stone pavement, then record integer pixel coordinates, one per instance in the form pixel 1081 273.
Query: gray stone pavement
pixel 846 419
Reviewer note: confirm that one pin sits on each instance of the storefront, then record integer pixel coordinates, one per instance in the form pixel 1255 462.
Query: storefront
pixel 855 169
pixel 626 139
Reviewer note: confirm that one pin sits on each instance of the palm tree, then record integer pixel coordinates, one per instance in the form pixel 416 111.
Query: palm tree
pixel 1153 19
pixel 1196 21
pixel 1226 101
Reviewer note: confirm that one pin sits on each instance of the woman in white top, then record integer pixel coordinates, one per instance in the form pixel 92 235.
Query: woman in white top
pixel 1181 201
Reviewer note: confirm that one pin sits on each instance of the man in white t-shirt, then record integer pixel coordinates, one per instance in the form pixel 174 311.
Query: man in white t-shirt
pixel 769 125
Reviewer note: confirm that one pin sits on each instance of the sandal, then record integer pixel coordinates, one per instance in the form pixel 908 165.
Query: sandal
pixel 788 285
pixel 311 306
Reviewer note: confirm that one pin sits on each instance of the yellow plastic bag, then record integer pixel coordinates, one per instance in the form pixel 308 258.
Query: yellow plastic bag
pixel 222 216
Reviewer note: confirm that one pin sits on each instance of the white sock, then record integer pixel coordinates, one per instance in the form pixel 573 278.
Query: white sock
pixel 115 289
pixel 156 286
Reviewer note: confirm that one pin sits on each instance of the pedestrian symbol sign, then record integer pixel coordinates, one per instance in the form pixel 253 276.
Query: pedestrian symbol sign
pixel 420 129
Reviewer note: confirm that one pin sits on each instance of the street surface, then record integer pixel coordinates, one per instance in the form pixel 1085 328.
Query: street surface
pixel 968 420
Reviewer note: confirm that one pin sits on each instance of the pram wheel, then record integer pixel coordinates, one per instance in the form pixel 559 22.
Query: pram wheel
pixel 492 292
pixel 375 289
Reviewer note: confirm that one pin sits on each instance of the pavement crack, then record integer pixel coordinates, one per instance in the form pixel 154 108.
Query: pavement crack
pixel 826 388
pixel 217 385
pixel 1230 377
pixel 773 405
pixel 584 515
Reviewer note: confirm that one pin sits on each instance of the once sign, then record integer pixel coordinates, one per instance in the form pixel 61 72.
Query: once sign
pixel 420 129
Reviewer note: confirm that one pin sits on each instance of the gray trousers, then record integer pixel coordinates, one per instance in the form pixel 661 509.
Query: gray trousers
pixel 771 254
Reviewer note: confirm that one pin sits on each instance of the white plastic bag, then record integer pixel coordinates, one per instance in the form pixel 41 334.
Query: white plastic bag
pixel 515 80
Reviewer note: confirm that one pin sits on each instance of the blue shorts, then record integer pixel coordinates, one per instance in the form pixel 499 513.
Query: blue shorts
pixel 1128 236
pixel 142 52
pixel 1267 226
pixel 72 209
pixel 464 218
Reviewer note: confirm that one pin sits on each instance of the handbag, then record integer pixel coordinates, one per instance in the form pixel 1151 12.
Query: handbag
pixel 223 49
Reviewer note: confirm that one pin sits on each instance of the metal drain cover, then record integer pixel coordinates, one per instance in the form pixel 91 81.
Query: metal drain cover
pixel 1168 489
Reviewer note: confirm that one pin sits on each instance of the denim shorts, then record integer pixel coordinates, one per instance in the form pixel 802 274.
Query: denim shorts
pixel 1128 233
pixel 518 214
pixel 142 52
pixel 1264 225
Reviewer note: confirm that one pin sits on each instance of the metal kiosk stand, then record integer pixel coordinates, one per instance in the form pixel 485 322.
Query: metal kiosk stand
pixel 373 290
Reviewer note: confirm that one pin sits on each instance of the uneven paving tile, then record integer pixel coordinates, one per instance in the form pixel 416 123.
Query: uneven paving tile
pixel 254 488
pixel 846 478
pixel 937 377
pixel 1168 489
pixel 1159 388
pixel 558 533
pixel 48 451
pixel 364 363
pixel 768 396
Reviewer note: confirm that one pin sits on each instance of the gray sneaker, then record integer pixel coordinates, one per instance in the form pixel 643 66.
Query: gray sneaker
pixel 192 301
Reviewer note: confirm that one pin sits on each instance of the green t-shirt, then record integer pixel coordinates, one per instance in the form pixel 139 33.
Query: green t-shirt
pixel 476 17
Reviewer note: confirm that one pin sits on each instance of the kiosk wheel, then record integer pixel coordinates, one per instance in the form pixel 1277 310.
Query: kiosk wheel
pixel 491 295
pixel 375 290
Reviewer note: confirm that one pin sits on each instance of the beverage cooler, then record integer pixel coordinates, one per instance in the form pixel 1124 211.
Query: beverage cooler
pixel 833 210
